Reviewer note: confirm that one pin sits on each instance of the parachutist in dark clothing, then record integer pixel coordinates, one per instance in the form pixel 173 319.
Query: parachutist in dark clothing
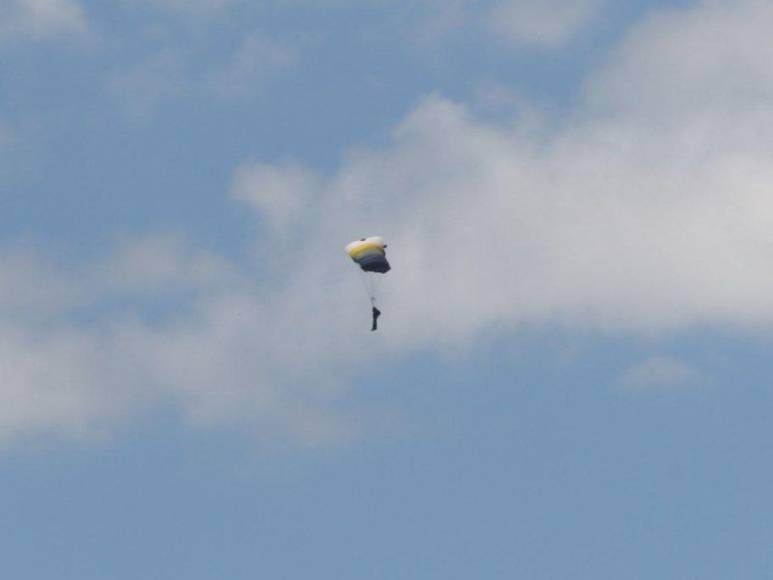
pixel 376 314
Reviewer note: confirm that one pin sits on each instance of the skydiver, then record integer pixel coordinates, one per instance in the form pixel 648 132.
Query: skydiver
pixel 376 314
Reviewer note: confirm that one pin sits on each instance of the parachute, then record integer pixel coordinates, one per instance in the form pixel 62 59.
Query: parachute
pixel 370 255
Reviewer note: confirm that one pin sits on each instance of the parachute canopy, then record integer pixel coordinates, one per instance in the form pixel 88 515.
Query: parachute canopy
pixel 369 254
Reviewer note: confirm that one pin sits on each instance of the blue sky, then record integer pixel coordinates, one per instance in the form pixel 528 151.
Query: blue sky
pixel 571 375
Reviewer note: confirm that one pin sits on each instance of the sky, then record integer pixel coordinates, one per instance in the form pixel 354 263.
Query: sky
pixel 571 374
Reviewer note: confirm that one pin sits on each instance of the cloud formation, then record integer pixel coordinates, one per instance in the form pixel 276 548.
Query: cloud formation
pixel 154 322
pixel 627 218
pixel 280 193
pixel 672 64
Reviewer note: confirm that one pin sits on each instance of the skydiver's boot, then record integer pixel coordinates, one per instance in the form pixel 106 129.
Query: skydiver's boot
pixel 376 314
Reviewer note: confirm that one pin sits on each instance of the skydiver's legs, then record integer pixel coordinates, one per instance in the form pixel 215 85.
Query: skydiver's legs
pixel 376 314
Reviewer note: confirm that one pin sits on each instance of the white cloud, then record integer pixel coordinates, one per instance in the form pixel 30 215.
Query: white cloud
pixel 545 24
pixel 607 225
pixel 157 322
pixel 63 382
pixel 634 223
pixel 160 265
pixel 42 19
pixel 282 193
pixel 639 222
pixel 660 372
pixel 31 290
pixel 54 374
pixel 674 64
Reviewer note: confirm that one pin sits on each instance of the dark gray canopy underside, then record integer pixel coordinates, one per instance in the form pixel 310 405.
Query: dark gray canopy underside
pixel 374 263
